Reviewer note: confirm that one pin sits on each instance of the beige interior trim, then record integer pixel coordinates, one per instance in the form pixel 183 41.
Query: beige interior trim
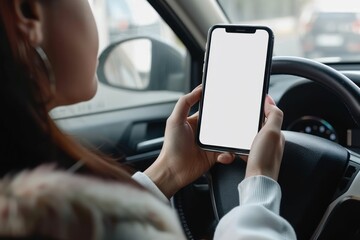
pixel 198 16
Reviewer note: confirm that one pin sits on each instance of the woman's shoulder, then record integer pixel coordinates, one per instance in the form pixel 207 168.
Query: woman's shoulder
pixel 58 203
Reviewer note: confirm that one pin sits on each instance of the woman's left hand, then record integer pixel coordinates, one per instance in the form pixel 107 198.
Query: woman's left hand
pixel 181 160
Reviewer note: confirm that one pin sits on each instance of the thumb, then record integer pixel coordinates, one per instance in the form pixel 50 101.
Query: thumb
pixel 182 107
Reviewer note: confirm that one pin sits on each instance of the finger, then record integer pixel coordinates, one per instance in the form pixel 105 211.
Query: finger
pixel 269 102
pixel 273 114
pixel 244 157
pixel 225 158
pixel 195 115
pixel 182 107
pixel 275 118
pixel 193 119
pixel 198 86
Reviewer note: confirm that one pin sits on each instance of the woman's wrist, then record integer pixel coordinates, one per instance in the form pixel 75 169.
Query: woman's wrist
pixel 163 178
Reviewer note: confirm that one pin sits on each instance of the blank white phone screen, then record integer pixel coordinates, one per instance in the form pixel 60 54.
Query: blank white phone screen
pixel 234 88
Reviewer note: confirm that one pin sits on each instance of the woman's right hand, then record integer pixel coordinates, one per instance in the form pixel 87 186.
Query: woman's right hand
pixel 268 146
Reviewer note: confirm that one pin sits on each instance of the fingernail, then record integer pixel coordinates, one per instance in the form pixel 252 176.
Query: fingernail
pixel 271 100
pixel 198 88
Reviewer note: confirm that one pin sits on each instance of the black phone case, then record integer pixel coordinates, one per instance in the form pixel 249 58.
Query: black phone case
pixel 240 29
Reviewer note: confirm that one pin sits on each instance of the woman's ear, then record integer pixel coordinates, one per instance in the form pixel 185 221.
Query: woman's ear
pixel 29 17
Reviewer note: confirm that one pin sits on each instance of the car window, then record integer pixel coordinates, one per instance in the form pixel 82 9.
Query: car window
pixel 328 30
pixel 139 70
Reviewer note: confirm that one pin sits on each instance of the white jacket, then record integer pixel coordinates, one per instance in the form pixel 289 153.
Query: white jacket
pixel 256 217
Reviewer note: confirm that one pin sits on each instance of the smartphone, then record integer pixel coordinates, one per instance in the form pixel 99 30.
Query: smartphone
pixel 236 74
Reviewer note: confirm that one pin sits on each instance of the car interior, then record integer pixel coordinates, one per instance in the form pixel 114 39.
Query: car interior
pixel 149 63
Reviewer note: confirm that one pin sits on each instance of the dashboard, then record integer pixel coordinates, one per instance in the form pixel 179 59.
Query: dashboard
pixel 313 109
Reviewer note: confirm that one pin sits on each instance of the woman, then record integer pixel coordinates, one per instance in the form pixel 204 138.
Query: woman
pixel 48 52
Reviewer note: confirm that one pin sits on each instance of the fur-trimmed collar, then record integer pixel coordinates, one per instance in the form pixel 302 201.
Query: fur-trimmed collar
pixel 62 205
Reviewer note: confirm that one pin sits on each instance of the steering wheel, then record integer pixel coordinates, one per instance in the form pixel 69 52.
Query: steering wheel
pixel 319 178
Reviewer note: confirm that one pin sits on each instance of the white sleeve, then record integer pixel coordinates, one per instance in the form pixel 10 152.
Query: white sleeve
pixel 257 216
pixel 147 183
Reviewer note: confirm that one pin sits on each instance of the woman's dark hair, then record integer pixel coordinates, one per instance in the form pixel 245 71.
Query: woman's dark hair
pixel 25 144
pixel 29 136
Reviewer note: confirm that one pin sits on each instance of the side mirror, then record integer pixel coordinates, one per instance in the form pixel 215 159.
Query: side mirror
pixel 143 63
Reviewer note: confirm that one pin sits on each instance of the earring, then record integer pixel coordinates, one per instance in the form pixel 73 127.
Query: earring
pixel 48 67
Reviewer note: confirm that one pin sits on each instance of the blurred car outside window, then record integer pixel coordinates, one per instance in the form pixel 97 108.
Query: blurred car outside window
pixel 327 30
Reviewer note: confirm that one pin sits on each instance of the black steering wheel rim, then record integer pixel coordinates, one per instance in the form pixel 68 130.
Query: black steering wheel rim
pixel 312 167
pixel 343 87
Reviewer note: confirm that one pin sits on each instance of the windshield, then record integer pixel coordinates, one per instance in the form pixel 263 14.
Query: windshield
pixel 327 30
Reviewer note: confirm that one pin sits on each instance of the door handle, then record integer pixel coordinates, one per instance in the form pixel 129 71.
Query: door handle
pixel 150 144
